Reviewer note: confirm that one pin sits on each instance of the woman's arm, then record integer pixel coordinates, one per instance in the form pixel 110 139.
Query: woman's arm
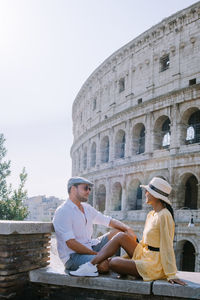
pixel 166 248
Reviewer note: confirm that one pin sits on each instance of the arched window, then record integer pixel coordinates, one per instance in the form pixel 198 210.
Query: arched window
pixel 139 198
pixel 117 196
pixel 141 147
pixel 193 129
pixel 191 192
pixel 101 198
pixel 93 155
pixel 166 134
pixel 188 252
pixel 162 133
pixel 104 149
pixel 120 141
pixel 139 139
pixel 134 196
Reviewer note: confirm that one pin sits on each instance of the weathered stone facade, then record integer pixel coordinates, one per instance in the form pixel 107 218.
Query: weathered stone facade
pixel 138 116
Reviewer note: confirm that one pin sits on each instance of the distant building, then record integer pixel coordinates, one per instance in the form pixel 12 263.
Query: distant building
pixel 42 208
pixel 138 116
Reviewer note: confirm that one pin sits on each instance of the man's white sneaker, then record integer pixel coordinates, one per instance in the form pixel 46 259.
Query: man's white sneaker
pixel 86 269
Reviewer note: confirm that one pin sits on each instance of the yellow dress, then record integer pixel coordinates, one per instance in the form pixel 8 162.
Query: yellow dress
pixel 158 233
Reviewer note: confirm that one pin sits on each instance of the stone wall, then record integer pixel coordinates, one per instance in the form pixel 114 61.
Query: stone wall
pixel 53 284
pixel 24 246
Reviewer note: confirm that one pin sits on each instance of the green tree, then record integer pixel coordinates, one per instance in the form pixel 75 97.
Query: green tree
pixel 11 201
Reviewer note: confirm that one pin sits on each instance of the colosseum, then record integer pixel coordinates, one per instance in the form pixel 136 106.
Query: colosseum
pixel 138 116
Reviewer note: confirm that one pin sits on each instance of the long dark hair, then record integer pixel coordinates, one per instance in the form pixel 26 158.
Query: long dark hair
pixel 169 207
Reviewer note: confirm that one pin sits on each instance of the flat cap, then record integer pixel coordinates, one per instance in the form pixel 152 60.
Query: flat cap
pixel 78 180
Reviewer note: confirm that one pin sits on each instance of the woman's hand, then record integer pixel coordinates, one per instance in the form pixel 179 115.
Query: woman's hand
pixel 178 281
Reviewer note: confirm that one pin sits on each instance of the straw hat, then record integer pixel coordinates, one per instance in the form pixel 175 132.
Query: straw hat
pixel 159 188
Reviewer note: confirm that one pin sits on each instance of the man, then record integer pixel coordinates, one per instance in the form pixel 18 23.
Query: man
pixel 73 224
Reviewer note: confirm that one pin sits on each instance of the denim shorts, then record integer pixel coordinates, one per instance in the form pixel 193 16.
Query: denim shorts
pixel 77 259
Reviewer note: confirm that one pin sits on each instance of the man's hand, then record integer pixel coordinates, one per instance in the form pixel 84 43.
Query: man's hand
pixel 131 233
pixel 79 248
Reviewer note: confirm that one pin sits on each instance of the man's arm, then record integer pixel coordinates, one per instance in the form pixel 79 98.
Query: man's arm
pixel 79 248
pixel 122 227
pixel 118 225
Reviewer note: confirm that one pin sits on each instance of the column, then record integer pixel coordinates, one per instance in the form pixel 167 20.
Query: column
pixel 148 134
pixel 108 195
pixel 98 150
pixel 111 145
pixel 124 204
pixel 128 149
pixel 174 141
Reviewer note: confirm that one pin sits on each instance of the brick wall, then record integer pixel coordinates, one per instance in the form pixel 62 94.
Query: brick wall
pixel 24 246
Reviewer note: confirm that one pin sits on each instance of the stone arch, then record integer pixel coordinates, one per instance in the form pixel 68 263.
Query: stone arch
pixel 162 133
pixel 120 141
pixel 139 138
pixel 190 126
pixel 93 155
pixel 101 198
pixel 104 149
pixel 187 194
pixel 85 158
pixel 185 249
pixel 116 196
pixel 134 195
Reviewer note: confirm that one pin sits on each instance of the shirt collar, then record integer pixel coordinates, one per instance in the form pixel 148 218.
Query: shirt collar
pixel 71 204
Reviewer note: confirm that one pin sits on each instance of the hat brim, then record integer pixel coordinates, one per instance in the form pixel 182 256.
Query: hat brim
pixel 155 194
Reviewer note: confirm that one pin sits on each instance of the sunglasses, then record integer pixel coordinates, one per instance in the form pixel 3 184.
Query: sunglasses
pixel 86 187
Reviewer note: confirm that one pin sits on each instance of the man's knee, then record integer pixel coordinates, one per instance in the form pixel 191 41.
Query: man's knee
pixel 103 267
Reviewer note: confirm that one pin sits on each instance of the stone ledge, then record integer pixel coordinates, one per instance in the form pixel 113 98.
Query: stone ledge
pixel 25 227
pixel 110 283
pixel 191 290
pixel 50 276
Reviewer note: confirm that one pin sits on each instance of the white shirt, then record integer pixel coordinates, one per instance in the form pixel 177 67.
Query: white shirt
pixel 70 223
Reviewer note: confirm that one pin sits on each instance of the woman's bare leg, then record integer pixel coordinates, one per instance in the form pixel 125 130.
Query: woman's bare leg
pixel 123 266
pixel 121 239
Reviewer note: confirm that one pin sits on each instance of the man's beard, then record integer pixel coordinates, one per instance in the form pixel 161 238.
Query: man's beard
pixel 82 199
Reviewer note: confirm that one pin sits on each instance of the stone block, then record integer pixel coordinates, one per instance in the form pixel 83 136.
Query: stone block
pixel 190 291
pixel 25 227
pixel 53 277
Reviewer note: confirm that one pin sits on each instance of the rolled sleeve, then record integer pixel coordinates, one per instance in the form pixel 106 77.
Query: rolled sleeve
pixel 102 219
pixel 63 226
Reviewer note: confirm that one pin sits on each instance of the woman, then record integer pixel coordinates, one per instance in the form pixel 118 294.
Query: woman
pixel 153 257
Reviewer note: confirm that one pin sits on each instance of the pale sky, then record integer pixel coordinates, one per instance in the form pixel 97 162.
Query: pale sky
pixel 48 48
